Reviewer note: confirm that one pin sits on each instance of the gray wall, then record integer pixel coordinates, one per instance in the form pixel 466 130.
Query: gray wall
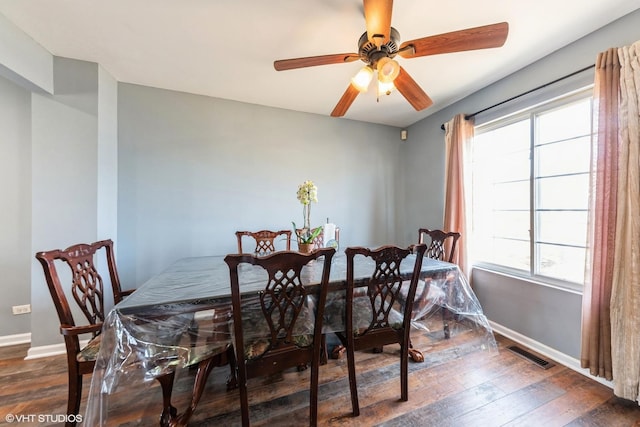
pixel 15 206
pixel 62 170
pixel 59 154
pixel 544 314
pixel 193 170
pixel 68 177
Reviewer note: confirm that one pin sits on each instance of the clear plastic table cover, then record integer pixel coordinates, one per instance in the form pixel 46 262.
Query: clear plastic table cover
pixel 183 315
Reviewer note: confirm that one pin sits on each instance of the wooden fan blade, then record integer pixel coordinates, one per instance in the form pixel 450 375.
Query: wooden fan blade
pixel 410 90
pixel 377 15
pixel 312 61
pixel 484 37
pixel 345 102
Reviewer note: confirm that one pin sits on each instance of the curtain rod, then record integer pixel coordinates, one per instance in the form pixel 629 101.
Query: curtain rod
pixel 469 116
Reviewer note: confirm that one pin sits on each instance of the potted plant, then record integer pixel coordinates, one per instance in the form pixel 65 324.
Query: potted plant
pixel 307 193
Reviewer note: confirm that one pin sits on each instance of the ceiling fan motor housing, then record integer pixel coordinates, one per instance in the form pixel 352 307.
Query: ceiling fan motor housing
pixel 369 52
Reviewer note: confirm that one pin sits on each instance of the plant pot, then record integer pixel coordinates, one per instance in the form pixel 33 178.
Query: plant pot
pixel 305 248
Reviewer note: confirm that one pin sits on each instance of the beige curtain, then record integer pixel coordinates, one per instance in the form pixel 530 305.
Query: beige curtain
pixel 611 300
pixel 458 136
pixel 625 298
pixel 596 326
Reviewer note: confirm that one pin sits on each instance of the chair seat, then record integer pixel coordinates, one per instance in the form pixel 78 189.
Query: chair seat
pixel 90 352
pixel 363 316
pixel 256 343
pixel 257 348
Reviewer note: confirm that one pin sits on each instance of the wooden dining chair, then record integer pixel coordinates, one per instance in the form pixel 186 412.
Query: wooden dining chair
pixel 281 326
pixel 264 240
pixel 87 290
pixel 372 308
pixel 441 245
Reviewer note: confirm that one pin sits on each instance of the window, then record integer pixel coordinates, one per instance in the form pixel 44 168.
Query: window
pixel 531 191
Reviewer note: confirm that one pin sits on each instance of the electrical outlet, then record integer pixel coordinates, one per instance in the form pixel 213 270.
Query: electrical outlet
pixel 21 309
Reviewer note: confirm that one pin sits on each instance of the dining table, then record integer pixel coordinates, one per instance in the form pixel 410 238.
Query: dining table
pixel 168 323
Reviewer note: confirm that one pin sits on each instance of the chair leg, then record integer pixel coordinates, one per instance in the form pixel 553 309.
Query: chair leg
pixel 242 391
pixel 324 354
pixel 244 403
pixel 313 401
pixel 404 372
pixel 232 380
pixel 445 322
pixel 75 394
pixel 168 411
pixel 352 380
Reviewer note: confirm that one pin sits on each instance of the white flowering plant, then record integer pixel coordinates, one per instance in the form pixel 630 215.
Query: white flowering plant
pixel 307 193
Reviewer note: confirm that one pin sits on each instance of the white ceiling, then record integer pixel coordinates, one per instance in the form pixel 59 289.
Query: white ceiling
pixel 226 49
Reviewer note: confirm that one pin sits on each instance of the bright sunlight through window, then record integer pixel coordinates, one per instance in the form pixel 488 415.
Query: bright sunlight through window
pixel 531 192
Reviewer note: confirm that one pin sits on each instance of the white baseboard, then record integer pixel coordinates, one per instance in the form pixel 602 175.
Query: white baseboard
pixel 50 350
pixel 33 352
pixel 45 351
pixel 8 340
pixel 544 350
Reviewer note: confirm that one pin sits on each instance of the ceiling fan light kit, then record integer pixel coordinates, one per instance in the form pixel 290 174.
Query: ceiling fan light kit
pixel 362 79
pixel 388 70
pixel 379 45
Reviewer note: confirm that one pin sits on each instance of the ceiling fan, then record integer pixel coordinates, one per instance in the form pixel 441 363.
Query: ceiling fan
pixel 381 43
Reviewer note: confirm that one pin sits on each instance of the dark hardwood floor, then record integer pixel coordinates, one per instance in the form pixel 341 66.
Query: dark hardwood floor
pixel 456 386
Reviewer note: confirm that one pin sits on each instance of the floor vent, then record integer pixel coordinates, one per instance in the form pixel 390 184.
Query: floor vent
pixel 544 364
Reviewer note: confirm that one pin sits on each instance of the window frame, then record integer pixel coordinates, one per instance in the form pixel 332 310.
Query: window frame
pixel 531 113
